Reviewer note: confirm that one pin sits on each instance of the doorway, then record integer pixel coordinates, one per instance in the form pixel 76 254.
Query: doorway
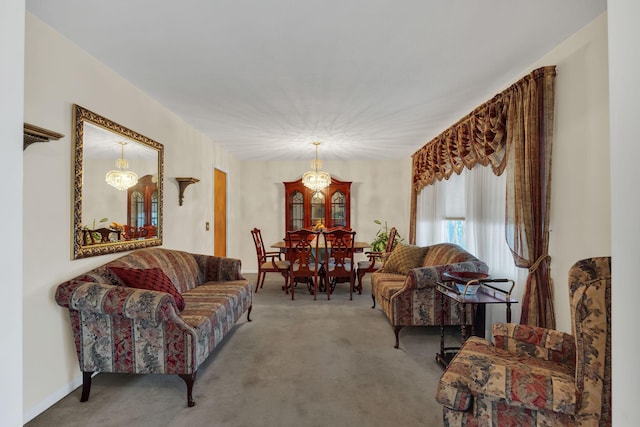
pixel 219 213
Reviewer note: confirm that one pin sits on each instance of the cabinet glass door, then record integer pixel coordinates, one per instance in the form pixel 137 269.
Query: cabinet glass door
pixel 317 208
pixel 305 208
pixel 296 211
pixel 137 210
pixel 338 210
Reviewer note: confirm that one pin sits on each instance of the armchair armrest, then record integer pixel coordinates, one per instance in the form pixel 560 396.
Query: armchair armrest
pixel 219 269
pixel 547 344
pixel 276 260
pixel 132 303
pixel 373 257
pixel 373 254
pixel 274 254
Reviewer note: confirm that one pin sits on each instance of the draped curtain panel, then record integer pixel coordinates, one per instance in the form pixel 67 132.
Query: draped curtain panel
pixel 511 131
pixel 529 142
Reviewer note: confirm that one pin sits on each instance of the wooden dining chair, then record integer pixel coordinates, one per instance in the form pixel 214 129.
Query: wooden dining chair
pixel 375 260
pixel 130 232
pixel 268 262
pixel 147 231
pixel 339 266
pixel 302 249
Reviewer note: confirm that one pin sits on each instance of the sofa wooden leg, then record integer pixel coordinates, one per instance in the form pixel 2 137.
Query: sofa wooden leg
pixel 249 313
pixel 374 301
pixel 86 385
pixel 396 330
pixel 189 379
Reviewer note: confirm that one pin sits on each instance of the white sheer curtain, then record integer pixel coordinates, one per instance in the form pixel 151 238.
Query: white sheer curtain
pixel 484 206
pixel 436 203
pixel 485 233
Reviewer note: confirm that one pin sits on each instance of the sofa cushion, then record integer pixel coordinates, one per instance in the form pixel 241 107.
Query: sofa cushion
pixel 212 310
pixel 403 258
pixel 388 288
pixel 152 279
pixel 529 382
pixel 445 253
pixel 181 267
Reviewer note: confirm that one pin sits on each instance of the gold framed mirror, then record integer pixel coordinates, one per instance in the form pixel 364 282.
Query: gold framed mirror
pixel 117 187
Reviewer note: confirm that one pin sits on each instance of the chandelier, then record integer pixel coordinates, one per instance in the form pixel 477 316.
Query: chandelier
pixel 315 179
pixel 121 178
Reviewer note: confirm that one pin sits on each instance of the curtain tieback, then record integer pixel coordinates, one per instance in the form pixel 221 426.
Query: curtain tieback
pixel 536 264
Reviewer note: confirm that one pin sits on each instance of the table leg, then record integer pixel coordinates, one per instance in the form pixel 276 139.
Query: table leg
pixel 445 354
pixel 508 312
pixel 441 325
pixel 463 327
pixel 479 320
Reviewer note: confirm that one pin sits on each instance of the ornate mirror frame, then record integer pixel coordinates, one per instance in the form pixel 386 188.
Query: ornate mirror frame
pixel 115 237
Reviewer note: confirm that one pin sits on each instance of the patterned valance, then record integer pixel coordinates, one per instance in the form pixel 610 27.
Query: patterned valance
pixel 479 137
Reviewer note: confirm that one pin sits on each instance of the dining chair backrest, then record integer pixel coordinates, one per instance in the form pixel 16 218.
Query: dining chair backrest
pixel 339 247
pixel 130 232
pixel 268 262
pixel 392 239
pixel 259 244
pixel 302 247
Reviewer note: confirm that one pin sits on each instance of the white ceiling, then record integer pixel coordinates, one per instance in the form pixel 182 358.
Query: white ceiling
pixel 370 79
pixel 100 143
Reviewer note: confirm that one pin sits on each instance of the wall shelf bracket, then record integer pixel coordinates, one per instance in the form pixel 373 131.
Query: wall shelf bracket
pixel 183 184
pixel 34 133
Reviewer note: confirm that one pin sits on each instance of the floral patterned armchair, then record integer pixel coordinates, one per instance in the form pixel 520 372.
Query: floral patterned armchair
pixel 539 377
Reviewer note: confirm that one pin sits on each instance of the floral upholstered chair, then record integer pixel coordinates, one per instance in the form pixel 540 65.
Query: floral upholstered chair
pixel 535 376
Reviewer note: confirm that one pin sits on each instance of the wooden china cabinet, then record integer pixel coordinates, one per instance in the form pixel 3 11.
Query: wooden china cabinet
pixel 142 203
pixel 305 209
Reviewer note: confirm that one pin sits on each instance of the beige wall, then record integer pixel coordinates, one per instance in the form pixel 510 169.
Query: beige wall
pixel 624 86
pixel 58 74
pixel 380 190
pixel 11 112
pixel 580 220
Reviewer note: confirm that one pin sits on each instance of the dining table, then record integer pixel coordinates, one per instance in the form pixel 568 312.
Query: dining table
pixel 358 247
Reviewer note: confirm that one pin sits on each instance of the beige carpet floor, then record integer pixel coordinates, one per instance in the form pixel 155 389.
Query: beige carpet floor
pixel 298 363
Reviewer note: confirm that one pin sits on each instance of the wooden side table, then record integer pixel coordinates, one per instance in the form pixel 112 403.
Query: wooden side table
pixel 478 289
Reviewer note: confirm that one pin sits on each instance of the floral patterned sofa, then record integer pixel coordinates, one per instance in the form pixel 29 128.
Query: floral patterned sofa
pixel 154 311
pixel 535 376
pixel 405 286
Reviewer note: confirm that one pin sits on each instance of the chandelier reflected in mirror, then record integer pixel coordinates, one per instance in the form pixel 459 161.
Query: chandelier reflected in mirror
pixel 315 179
pixel 121 178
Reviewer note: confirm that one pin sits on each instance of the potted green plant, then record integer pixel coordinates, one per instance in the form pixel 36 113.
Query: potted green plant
pixel 379 244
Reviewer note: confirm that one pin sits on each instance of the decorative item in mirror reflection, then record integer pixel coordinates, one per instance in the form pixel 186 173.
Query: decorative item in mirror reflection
pixel 126 213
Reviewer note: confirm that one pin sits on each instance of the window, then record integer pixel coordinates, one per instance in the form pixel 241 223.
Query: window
pixel 469 210
pixel 454 210
pixel 454 231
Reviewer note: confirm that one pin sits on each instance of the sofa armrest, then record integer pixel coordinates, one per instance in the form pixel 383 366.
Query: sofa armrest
pixel 424 277
pixel 100 298
pixel 219 269
pixel 547 344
